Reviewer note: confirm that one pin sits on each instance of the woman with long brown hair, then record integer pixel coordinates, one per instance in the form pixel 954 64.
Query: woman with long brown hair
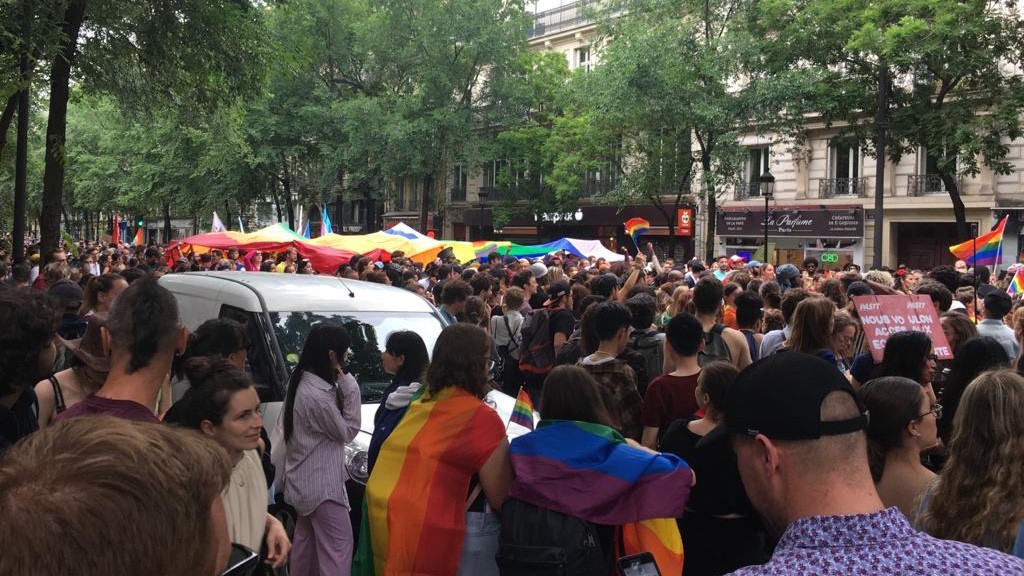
pixel 812 326
pixel 977 498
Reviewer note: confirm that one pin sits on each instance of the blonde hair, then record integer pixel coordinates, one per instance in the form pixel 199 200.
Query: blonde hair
pixel 674 307
pixel 978 495
pixel 812 325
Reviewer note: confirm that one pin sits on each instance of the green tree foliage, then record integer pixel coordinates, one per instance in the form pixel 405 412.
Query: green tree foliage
pixel 902 75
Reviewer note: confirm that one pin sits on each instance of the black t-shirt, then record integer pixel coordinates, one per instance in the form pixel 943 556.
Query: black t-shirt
pixel 720 490
pixel 561 320
pixel 20 420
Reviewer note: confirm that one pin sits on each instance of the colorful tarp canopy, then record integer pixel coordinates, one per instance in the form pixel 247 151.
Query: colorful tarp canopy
pixel 328 252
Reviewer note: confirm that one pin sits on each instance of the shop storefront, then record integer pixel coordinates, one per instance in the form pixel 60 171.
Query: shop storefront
pixel 587 222
pixel 834 235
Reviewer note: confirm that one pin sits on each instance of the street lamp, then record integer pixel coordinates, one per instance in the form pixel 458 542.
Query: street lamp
pixel 767 184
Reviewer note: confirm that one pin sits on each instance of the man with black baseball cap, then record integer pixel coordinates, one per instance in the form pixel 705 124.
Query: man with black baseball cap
pixel 798 432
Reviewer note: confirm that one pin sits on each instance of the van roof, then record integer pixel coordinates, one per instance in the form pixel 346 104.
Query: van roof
pixel 296 292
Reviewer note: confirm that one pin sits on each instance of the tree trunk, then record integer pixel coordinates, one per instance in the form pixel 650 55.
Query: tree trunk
pixel 276 198
pixel 712 211
pixel 227 215
pixel 167 222
pixel 963 230
pixel 428 183
pixel 287 183
pixel 881 142
pixel 56 128
pixel 20 172
pixel 6 118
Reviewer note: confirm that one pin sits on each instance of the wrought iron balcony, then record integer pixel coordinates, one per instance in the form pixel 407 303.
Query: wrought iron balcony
pixel 832 187
pixel 746 190
pixel 926 184
pixel 567 17
pixel 458 194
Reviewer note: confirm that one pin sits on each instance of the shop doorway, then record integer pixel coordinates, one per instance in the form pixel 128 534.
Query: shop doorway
pixel 924 245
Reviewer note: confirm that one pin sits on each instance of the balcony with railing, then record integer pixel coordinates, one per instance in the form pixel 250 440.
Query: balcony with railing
pixel 567 17
pixel 927 184
pixel 746 190
pixel 833 187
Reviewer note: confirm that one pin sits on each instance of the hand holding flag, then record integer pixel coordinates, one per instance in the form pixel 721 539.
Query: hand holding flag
pixel 522 413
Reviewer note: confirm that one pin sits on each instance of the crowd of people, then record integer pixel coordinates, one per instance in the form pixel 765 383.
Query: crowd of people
pixel 721 417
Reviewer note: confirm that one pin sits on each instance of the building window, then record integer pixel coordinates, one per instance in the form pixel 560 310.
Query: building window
pixel 844 160
pixel 758 162
pixel 583 58
pixel 459 181
pixel 414 196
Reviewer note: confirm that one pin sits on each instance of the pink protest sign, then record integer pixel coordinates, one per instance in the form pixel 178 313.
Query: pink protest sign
pixel 882 316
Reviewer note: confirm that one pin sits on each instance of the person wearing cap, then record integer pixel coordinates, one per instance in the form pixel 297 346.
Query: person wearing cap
pixel 754 268
pixel 798 430
pixel 540 273
pixel 997 305
pixel 70 295
pixel 737 262
pixel 561 324
pixel 787 276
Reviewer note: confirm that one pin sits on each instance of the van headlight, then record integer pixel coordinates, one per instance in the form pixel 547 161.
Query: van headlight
pixel 357 462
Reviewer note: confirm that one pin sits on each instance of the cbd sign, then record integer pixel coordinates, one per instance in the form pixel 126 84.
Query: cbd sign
pixel 684 222
pixel 829 257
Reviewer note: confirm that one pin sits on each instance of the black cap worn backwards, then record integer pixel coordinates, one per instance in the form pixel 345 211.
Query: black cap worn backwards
pixel 781 395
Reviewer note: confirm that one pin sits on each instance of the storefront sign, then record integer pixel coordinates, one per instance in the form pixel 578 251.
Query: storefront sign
pixel 834 223
pixel 684 222
pixel 883 316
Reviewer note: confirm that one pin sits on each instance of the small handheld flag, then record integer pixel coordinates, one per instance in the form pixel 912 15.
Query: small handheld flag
pixel 241 226
pixel 1016 286
pixel 325 225
pixel 305 232
pixel 218 226
pixel 522 414
pixel 636 226
pixel 139 240
pixel 983 250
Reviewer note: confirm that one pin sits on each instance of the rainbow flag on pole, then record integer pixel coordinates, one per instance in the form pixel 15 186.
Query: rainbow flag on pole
pixel 416 496
pixel 522 414
pixel 989 246
pixel 589 471
pixel 1016 286
pixel 636 226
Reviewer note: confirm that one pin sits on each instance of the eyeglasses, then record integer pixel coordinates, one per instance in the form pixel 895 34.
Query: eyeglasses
pixel 936 409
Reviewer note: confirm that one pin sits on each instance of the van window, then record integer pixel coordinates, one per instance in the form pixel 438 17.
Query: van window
pixel 369 331
pixel 259 365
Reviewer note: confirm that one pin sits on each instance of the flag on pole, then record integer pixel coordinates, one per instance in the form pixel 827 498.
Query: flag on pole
pixel 636 226
pixel 241 227
pixel 139 239
pixel 305 233
pixel 325 225
pixel 115 234
pixel 218 226
pixel 522 413
pixel 1016 286
pixel 989 245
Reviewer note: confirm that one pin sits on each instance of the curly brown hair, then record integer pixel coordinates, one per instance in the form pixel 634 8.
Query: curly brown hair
pixel 977 498
pixel 460 359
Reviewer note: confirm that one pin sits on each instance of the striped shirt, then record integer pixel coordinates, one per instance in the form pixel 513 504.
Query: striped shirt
pixel 315 454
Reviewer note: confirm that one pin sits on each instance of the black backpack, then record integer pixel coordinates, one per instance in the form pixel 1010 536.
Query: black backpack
pixel 537 351
pixel 538 541
pixel 715 346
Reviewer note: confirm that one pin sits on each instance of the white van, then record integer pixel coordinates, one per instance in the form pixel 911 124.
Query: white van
pixel 278 311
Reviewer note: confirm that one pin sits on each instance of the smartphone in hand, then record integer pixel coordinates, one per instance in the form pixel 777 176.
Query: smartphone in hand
pixel 641 564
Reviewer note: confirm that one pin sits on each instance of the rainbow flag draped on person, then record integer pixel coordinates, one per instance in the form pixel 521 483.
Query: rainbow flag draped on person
pixel 416 495
pixel 522 413
pixel 1016 286
pixel 989 247
pixel 636 226
pixel 590 472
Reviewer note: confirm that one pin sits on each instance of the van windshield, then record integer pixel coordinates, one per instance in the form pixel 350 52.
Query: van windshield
pixel 369 331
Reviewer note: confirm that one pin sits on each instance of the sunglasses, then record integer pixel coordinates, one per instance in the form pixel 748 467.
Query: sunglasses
pixel 241 562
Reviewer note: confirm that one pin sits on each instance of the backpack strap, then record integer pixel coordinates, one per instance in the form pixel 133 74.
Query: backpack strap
pixel 58 396
pixel 508 330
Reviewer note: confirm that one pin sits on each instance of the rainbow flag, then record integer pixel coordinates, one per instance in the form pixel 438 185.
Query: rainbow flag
pixel 660 537
pixel 589 471
pixel 416 495
pixel 636 226
pixel 522 414
pixel 1016 286
pixel 989 246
